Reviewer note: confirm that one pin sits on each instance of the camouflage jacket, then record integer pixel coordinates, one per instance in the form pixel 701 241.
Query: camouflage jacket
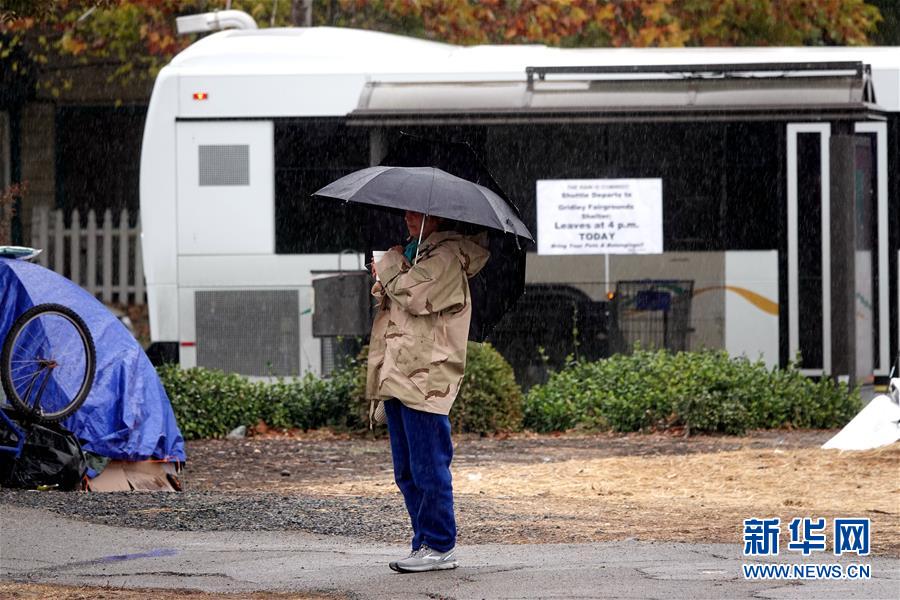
pixel 417 351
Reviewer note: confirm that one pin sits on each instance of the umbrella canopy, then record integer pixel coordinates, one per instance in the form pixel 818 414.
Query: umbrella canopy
pixel 127 415
pixel 453 156
pixel 433 191
pixel 456 157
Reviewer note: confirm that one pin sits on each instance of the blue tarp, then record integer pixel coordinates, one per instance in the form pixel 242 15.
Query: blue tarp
pixel 127 415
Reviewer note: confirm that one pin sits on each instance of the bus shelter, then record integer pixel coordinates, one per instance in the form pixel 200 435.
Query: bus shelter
pixel 774 177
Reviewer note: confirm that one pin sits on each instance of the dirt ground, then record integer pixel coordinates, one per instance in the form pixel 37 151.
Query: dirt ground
pixel 35 591
pixel 527 488
pixel 590 487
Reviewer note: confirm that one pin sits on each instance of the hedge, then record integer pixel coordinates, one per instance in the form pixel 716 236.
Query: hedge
pixel 489 398
pixel 705 391
pixel 209 403
pixel 648 390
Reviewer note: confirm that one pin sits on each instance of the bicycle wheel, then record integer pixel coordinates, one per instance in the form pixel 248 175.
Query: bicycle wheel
pixel 48 362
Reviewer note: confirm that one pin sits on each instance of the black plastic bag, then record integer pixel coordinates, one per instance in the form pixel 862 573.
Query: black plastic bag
pixel 52 457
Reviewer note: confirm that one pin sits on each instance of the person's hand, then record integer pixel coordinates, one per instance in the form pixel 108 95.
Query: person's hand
pixel 398 248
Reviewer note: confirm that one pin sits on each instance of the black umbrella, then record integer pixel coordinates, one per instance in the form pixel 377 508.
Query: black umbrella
pixel 455 157
pixel 432 191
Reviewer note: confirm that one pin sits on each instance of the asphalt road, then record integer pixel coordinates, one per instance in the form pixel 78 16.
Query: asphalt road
pixel 40 546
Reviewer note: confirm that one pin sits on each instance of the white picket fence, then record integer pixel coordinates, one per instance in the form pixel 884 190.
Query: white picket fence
pixel 103 258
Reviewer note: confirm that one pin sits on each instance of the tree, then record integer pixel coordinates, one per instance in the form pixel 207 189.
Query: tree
pixel 10 199
pixel 133 39
pixel 623 22
pixel 889 28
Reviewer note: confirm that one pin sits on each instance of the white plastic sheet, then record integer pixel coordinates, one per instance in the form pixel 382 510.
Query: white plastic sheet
pixel 878 424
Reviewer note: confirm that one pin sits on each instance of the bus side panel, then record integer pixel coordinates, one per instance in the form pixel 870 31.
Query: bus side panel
pixel 226 203
pixel 157 195
pixel 249 97
pixel 751 305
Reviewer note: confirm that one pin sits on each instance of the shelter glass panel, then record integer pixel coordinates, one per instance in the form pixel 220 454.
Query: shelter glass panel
pixel 867 308
pixel 752 180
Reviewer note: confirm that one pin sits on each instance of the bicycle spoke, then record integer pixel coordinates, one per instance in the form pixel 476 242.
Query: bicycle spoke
pixel 29 353
pixel 22 368
pixel 24 377
pixel 61 358
pixel 32 337
pixel 24 361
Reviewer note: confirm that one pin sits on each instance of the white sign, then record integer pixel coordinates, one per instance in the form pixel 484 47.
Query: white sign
pixel 599 216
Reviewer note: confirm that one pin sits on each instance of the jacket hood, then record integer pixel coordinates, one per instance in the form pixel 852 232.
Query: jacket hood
pixel 471 250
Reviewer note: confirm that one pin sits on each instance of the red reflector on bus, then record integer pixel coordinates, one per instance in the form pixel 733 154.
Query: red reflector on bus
pixel 200 96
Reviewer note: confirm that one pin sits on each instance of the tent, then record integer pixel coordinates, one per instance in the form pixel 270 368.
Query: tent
pixel 127 417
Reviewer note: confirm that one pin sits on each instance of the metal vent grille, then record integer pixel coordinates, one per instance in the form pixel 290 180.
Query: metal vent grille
pixel 329 355
pixel 250 332
pixel 225 165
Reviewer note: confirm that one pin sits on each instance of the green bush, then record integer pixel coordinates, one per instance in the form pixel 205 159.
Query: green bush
pixel 701 391
pixel 209 403
pixel 331 401
pixel 489 398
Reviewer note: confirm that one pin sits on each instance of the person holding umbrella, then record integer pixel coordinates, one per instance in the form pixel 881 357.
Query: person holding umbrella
pixel 417 357
pixel 417 351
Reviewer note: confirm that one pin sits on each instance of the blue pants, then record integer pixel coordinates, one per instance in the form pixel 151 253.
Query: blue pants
pixel 422 451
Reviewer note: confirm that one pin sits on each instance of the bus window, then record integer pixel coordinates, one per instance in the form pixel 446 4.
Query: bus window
pixel 308 155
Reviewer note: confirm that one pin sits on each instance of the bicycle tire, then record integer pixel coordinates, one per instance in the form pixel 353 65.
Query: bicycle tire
pixel 35 410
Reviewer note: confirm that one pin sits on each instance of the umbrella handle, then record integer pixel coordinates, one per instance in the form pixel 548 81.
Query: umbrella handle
pixel 425 217
pixel 419 243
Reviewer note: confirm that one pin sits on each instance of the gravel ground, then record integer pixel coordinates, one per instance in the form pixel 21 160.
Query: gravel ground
pixel 376 519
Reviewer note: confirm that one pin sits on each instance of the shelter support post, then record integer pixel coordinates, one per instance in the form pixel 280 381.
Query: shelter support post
pixel 843 251
pixel 377 146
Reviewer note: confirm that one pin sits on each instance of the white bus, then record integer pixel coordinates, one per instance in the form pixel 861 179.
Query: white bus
pixel 245 124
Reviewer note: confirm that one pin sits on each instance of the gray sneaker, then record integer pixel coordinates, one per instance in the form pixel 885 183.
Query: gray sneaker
pixel 426 559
